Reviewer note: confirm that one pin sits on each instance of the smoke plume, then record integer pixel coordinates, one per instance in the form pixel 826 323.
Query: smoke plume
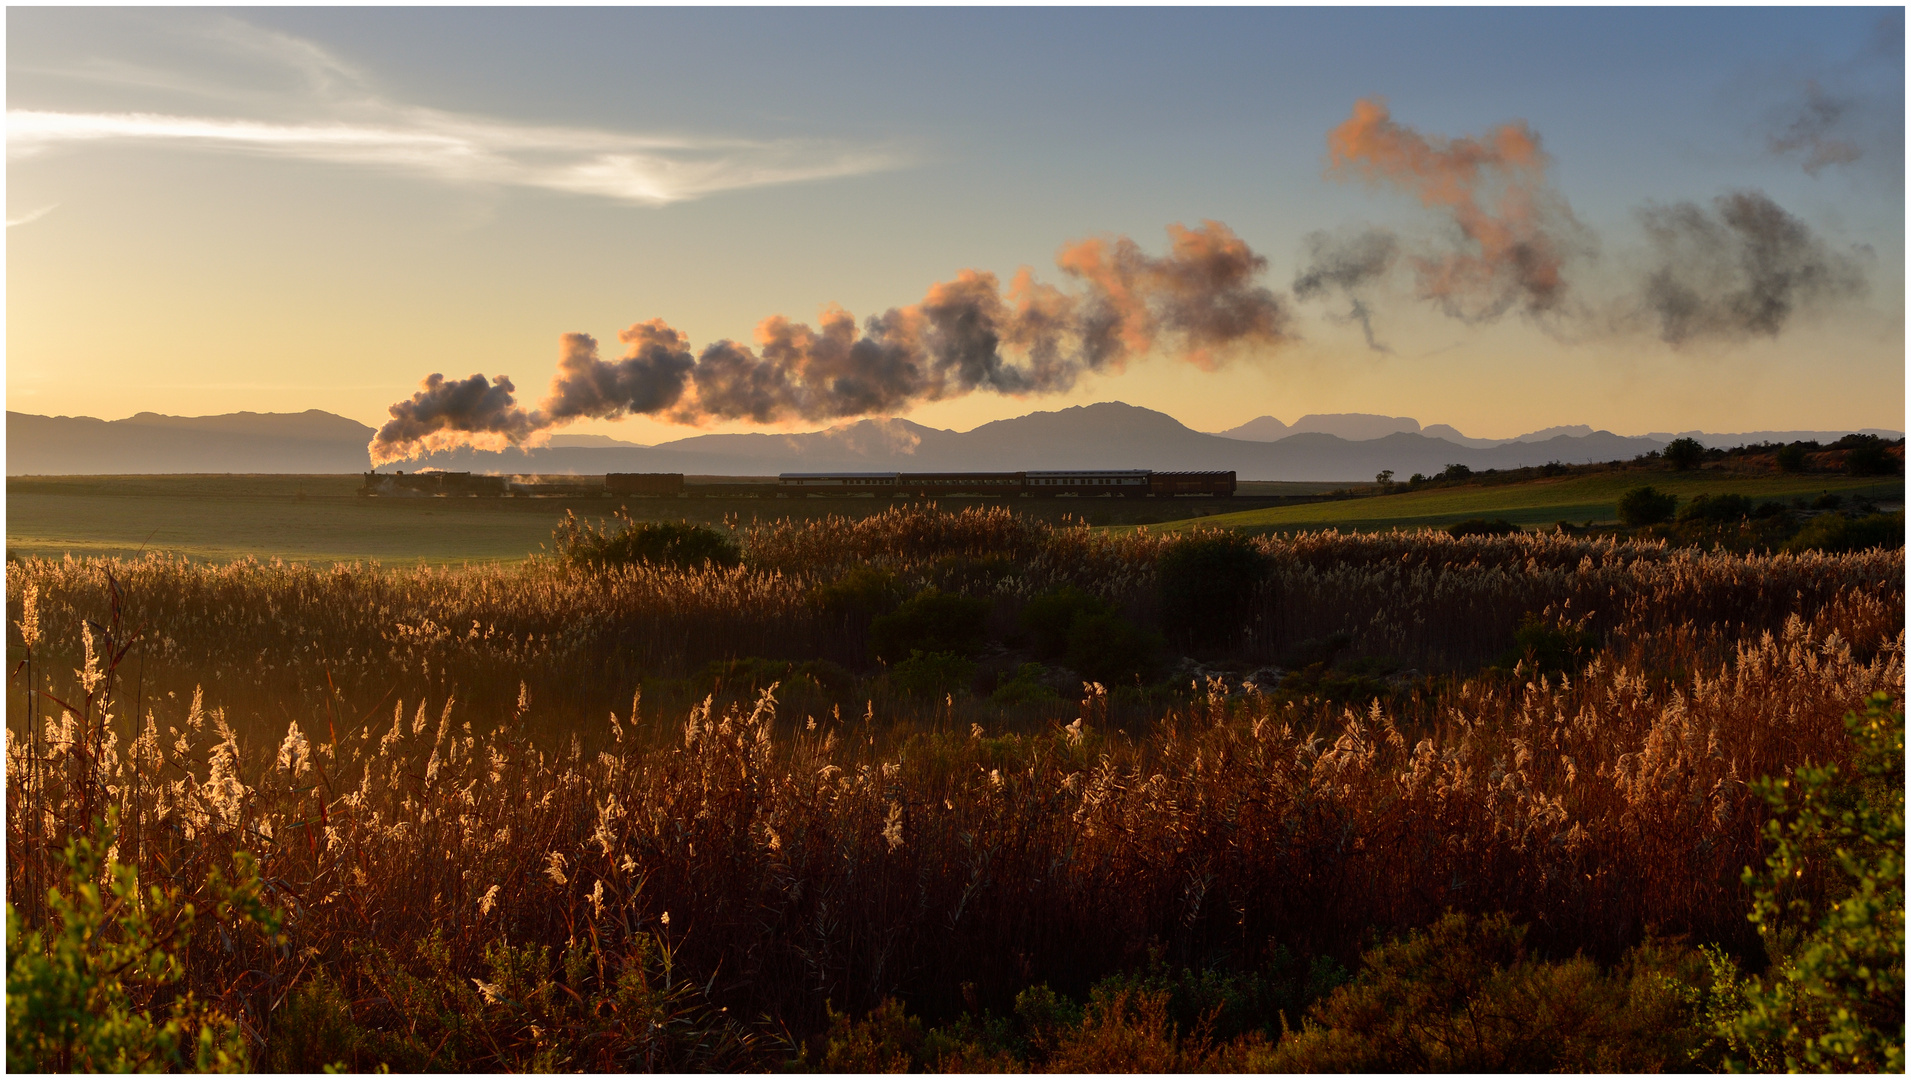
pixel 1514 229
pixel 1200 302
pixel 1742 270
pixel 1812 128
pixel 1344 263
pixel 442 415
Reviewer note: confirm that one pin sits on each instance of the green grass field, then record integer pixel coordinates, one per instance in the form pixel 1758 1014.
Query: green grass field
pixel 319 519
pixel 1542 503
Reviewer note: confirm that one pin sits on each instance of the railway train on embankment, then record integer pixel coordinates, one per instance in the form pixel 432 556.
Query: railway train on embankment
pixel 1077 483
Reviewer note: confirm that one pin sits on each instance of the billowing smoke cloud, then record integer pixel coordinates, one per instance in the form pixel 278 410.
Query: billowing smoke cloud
pixel 1514 229
pixel 1742 270
pixel 1199 302
pixel 1813 127
pixel 442 415
pixel 650 377
pixel 1345 263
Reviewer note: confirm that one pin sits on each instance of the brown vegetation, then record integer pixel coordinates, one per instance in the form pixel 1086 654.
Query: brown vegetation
pixel 505 860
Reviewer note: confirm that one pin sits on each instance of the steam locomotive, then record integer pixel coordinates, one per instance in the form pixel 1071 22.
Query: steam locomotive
pixel 1089 483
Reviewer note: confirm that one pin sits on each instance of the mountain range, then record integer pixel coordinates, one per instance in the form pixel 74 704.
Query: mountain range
pixel 1333 446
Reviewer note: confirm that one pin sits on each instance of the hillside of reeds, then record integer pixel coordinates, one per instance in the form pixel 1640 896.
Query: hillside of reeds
pixel 496 849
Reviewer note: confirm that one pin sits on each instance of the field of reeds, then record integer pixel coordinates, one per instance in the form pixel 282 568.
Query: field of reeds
pixel 561 816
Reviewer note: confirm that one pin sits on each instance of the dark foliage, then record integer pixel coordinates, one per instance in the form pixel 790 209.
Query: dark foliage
pixel 932 621
pixel 1482 527
pixel 677 544
pixel 1208 587
pixel 1645 506
pixel 1685 453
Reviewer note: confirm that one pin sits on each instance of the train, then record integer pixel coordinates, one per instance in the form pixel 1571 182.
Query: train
pixel 1051 483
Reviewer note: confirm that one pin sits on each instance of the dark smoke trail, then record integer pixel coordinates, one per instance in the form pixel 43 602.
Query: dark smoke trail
pixel 1344 264
pixel 1812 129
pixel 1741 271
pixel 650 377
pixel 442 415
pixel 1514 228
pixel 1199 302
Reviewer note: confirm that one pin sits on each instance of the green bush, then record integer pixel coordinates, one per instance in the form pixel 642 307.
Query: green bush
pixel 1482 527
pixel 1049 617
pixel 1104 647
pixel 1025 687
pixel 933 675
pixel 1685 453
pixel 1541 647
pixel 1456 472
pixel 1835 1001
pixel 80 991
pixel 931 621
pixel 1466 995
pixel 1645 506
pixel 1836 532
pixel 1208 587
pixel 869 590
pixel 1716 508
pixel 1865 455
pixel 678 544
pixel 1793 457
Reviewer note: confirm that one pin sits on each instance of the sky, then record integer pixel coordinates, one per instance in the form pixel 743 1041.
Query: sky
pixel 1498 219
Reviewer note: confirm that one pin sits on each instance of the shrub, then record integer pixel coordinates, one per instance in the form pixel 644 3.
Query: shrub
pixel 71 987
pixel 1482 527
pixel 677 544
pixel 933 675
pixel 1544 647
pixel 1049 617
pixel 931 621
pixel 1455 472
pixel 869 590
pixel 1106 648
pixel 1684 453
pixel 1836 1001
pixel 1025 687
pixel 1865 455
pixel 1716 508
pixel 1465 995
pixel 1836 532
pixel 1792 457
pixel 1208 586
pixel 1645 506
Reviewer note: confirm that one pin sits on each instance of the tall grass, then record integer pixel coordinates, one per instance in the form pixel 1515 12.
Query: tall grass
pixel 457 753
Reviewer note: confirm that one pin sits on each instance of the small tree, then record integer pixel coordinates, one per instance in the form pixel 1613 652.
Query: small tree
pixel 1792 457
pixel 1685 453
pixel 1456 471
pixel 79 990
pixel 1836 1001
pixel 1645 506
pixel 1384 477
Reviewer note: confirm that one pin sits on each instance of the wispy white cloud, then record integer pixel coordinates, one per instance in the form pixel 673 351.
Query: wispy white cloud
pixel 629 168
pixel 340 119
pixel 31 216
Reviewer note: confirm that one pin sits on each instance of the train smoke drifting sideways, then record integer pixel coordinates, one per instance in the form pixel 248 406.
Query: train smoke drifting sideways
pixel 1200 302
pixel 1512 225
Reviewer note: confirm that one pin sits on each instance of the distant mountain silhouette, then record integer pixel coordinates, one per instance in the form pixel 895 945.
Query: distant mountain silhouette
pixel 1106 435
pixel 309 442
pixel 1350 426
